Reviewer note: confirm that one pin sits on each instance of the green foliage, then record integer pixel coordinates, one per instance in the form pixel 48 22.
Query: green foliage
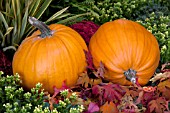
pixel 75 15
pixel 13 19
pixel 14 99
pixel 108 10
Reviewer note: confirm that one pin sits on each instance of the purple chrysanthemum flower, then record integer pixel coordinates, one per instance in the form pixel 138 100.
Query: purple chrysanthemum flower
pixel 5 64
pixel 86 29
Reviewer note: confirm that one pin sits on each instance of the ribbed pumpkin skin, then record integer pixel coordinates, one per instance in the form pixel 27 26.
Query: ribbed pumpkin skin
pixel 50 60
pixel 122 45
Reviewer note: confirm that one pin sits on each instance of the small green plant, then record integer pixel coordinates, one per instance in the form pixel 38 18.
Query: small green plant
pixel 108 10
pixel 68 103
pixel 13 97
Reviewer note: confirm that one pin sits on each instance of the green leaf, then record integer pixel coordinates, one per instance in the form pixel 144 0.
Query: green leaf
pixel 18 19
pixel 24 22
pixel 7 32
pixel 57 14
pixel 1 35
pixel 33 6
pixel 14 8
pixel 43 8
pixel 63 15
pixel 72 18
pixel 3 20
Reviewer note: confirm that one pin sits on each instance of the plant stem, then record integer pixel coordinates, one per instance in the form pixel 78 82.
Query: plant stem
pixel 44 29
pixel 131 75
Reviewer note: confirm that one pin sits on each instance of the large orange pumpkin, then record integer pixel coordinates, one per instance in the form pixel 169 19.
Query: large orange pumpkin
pixel 127 50
pixel 51 55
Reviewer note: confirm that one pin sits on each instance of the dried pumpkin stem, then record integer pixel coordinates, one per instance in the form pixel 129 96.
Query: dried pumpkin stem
pixel 131 75
pixel 44 29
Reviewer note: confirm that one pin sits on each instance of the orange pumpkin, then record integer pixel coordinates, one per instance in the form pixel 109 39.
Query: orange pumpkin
pixel 127 50
pixel 51 55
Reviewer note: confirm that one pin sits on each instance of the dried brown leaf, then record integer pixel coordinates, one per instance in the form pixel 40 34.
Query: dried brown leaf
pixel 160 76
pixel 100 71
pixel 164 88
pixel 85 81
pixel 158 105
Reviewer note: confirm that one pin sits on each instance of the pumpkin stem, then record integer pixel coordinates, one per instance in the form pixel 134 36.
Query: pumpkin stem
pixel 44 29
pixel 131 75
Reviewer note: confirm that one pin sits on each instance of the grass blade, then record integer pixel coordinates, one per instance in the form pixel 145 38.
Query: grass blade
pixel 24 22
pixel 56 14
pixel 63 15
pixel 18 5
pixel 72 18
pixel 43 8
pixel 7 32
pixel 3 20
pixel 1 35
pixel 34 5
pixel 14 8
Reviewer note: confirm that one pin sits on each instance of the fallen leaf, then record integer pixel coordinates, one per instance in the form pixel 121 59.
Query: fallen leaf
pixel 108 92
pixel 166 67
pixel 158 105
pixel 164 88
pixel 127 105
pixel 93 107
pixel 52 99
pixel 109 107
pixel 100 71
pixel 89 60
pixel 57 90
pixel 160 76
pixel 85 81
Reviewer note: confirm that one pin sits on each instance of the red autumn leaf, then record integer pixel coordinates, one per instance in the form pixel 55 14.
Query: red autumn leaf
pixel 52 99
pixel 57 90
pixel 108 92
pixel 109 107
pixel 145 97
pixel 164 88
pixel 158 105
pixel 89 60
pixel 93 107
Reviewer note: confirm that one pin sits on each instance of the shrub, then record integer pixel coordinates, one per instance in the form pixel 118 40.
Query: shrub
pixel 14 99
